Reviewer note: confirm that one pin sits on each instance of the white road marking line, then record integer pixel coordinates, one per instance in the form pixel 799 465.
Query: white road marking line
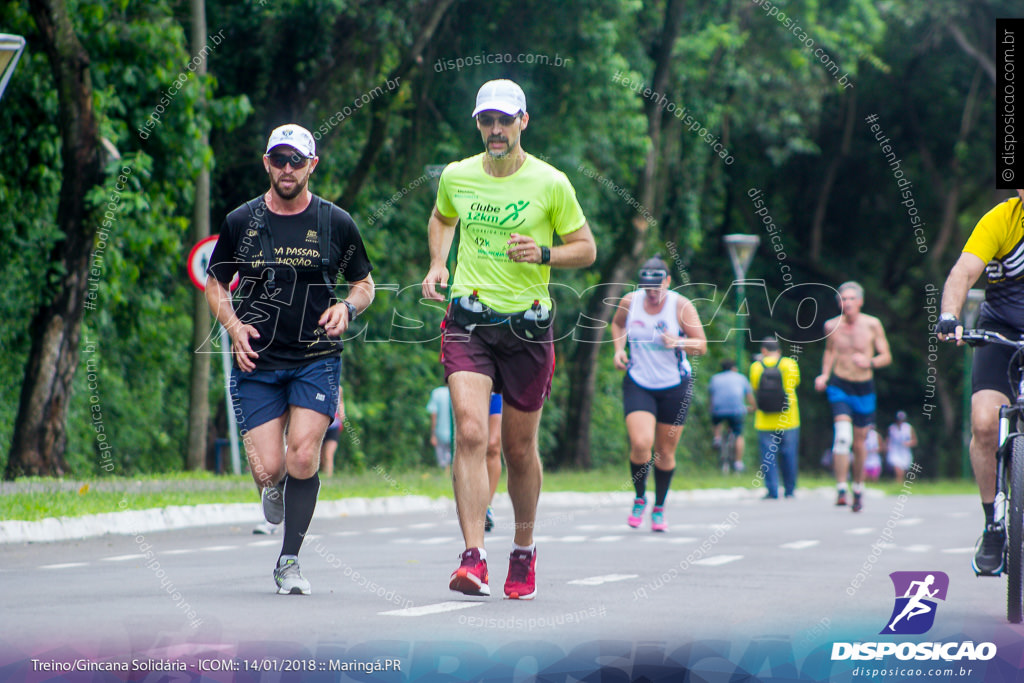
pixel 503 539
pixel 123 558
pixel 718 560
pixel 608 539
pixel 799 545
pixel 910 521
pixel 423 525
pixel 66 565
pixel 658 538
pixel 860 531
pixel 437 540
pixel 219 548
pixel 958 551
pixel 607 578
pixel 918 548
pixel 180 551
pixel 260 544
pixel 436 608
pixel 346 533
pixel 384 530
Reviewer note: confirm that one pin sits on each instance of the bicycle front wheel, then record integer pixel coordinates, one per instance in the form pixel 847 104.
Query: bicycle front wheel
pixel 1015 530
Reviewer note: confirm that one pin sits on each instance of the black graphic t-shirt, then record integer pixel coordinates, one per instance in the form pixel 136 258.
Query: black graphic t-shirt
pixel 286 311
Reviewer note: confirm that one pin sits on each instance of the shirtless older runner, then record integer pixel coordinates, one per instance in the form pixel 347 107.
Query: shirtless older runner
pixel 856 346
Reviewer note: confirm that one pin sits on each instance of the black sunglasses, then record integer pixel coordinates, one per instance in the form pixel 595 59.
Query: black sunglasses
pixel 651 274
pixel 282 160
pixel 486 120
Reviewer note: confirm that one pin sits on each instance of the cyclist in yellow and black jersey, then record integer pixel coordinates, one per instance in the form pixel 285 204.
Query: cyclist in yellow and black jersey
pixel 996 246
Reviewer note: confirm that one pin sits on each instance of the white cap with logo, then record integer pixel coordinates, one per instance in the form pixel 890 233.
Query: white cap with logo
pixel 294 136
pixel 502 95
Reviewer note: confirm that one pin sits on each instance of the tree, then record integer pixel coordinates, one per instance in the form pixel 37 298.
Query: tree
pixel 40 434
pixel 574 442
pixel 199 399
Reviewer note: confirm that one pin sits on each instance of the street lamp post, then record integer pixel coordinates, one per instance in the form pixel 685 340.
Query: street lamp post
pixel 741 253
pixel 970 316
pixel 11 47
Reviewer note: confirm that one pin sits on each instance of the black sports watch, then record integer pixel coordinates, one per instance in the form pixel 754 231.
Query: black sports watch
pixel 545 255
pixel 353 312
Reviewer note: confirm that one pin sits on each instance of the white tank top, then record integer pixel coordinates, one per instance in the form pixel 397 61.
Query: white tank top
pixel 899 437
pixel 653 365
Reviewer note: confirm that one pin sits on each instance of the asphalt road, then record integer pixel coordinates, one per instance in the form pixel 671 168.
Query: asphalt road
pixel 798 574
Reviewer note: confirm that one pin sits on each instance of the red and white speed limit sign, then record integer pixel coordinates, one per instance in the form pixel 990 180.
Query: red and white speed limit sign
pixel 199 260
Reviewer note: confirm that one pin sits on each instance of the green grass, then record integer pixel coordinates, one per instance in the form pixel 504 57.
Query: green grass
pixel 42 498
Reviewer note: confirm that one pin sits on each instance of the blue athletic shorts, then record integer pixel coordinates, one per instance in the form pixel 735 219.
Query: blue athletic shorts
pixel 856 399
pixel 264 395
pixel 495 408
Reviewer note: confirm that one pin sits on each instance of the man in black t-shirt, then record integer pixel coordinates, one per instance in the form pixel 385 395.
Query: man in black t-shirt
pixel 285 325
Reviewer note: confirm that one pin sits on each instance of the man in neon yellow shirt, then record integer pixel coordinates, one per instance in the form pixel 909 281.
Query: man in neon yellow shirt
pixel 995 247
pixel 778 432
pixel 497 333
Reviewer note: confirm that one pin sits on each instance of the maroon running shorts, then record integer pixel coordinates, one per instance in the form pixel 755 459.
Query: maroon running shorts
pixel 521 369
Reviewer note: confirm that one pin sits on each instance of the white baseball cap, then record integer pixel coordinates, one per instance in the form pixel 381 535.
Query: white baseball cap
pixel 502 95
pixel 294 136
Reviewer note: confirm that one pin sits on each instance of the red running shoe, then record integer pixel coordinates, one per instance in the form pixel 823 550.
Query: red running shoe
pixel 471 576
pixel 521 583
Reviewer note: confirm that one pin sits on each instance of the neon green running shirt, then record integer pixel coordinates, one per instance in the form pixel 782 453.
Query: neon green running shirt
pixel 537 200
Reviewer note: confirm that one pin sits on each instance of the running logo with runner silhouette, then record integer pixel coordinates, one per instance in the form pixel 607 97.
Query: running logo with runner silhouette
pixel 916 595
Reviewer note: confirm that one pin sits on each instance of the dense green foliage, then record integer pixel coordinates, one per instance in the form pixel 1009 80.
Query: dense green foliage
pixel 383 112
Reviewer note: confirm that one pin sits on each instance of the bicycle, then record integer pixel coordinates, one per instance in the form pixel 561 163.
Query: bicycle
pixel 1010 472
pixel 727 451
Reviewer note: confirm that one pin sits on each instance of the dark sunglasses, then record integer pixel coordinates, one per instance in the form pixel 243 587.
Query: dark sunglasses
pixel 653 274
pixel 486 120
pixel 282 160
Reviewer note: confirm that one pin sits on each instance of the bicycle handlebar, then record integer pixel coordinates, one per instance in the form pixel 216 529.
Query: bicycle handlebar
pixel 975 337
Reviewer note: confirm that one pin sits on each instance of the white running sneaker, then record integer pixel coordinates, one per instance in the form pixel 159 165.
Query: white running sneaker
pixel 288 577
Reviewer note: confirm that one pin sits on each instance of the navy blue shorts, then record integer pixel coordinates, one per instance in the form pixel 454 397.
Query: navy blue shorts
pixel 735 422
pixel 264 395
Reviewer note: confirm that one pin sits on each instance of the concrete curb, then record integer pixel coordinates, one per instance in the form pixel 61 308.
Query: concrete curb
pixel 184 516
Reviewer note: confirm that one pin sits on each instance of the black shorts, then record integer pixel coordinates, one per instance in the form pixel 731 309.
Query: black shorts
pixel 992 361
pixel 669 406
